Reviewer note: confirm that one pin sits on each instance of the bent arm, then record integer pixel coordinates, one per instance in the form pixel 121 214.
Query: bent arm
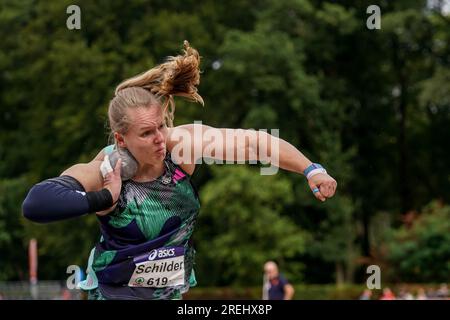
pixel 62 198
pixel 74 193
pixel 288 292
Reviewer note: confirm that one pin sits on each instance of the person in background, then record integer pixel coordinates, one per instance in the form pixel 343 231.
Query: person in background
pixel 276 287
pixel 366 295
pixel 405 294
pixel 421 295
pixel 442 291
pixel 387 294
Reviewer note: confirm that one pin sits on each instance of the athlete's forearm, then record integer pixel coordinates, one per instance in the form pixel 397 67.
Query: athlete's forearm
pixel 278 150
pixel 62 198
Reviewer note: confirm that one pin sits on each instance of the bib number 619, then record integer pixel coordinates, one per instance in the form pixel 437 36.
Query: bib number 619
pixel 157 281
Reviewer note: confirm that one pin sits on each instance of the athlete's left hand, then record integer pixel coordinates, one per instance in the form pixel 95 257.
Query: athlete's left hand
pixel 323 186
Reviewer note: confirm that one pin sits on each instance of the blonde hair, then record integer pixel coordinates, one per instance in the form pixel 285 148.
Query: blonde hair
pixel 178 76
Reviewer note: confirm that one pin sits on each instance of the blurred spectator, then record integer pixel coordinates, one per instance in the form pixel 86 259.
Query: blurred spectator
pixel 387 294
pixel 404 294
pixel 66 295
pixel 421 295
pixel 431 294
pixel 366 295
pixel 275 286
pixel 442 291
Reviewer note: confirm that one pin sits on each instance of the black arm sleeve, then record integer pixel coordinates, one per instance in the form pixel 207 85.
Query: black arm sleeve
pixel 62 198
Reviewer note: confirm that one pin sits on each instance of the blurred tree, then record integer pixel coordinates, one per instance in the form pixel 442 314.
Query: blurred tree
pixel 13 239
pixel 242 225
pixel 421 251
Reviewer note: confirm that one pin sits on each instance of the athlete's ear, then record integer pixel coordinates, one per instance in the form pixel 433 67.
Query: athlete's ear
pixel 120 141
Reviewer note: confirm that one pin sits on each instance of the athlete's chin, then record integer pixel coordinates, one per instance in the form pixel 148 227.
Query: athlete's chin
pixel 160 153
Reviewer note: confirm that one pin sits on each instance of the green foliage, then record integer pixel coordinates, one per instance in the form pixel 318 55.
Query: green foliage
pixel 421 252
pixel 242 225
pixel 13 246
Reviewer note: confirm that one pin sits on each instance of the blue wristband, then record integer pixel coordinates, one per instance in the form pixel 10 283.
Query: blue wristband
pixel 311 168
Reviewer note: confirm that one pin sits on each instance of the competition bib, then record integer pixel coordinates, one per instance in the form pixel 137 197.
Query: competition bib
pixel 162 267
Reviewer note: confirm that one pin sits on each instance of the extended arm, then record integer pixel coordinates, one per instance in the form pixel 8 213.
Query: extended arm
pixel 189 143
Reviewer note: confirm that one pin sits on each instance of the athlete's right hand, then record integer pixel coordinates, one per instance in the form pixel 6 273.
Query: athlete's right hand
pixel 112 181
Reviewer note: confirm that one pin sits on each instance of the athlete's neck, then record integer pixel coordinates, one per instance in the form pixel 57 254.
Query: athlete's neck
pixel 149 172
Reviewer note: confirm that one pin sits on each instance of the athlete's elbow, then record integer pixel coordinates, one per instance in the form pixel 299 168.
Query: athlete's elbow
pixel 32 206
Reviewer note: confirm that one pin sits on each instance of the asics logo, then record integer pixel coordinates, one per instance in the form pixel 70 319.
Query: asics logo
pixel 161 253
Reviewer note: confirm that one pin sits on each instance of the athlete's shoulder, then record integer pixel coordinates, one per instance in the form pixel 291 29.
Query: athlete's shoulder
pixel 180 142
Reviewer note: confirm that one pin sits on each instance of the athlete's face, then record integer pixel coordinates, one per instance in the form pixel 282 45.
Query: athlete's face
pixel 146 135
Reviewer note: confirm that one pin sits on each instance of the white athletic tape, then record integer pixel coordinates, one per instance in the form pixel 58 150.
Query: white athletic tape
pixel 105 167
pixel 315 171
